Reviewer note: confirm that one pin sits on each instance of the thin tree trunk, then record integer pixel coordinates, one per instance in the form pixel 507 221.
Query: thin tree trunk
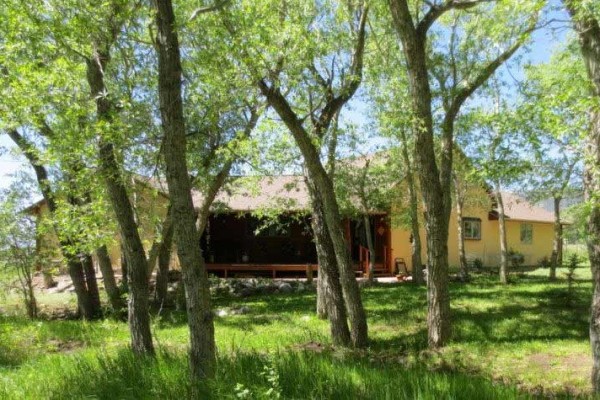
pixel 76 273
pixel 464 268
pixel 502 233
pixel 202 354
pixel 322 294
pixel 331 213
pixel 434 189
pixel 331 296
pixel 371 246
pixel 91 284
pixel 417 270
pixel 322 181
pixel 434 181
pixel 137 266
pixel 164 260
pixel 557 242
pixel 124 270
pixel 74 266
pixel 588 29
pixel 108 277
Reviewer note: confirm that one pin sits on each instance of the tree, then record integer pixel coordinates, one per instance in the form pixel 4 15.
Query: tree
pixel 84 279
pixel 459 74
pixel 187 237
pixel 307 89
pixel 496 147
pixel 465 182
pixel 586 20
pixel 18 245
pixel 555 116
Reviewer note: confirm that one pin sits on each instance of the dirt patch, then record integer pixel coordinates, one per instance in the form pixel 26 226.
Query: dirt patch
pixel 573 368
pixel 577 363
pixel 64 346
pixel 312 346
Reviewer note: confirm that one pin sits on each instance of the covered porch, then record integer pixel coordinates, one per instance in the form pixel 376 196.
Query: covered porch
pixel 241 244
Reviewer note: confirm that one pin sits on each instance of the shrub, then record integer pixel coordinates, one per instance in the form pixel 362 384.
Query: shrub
pixel 544 262
pixel 516 259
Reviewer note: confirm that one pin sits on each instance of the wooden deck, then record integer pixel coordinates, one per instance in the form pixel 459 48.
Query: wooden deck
pixel 307 270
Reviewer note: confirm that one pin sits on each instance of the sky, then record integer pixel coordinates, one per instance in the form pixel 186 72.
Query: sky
pixel 543 42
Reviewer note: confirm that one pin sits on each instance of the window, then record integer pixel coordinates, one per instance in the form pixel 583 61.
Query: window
pixel 526 233
pixel 472 228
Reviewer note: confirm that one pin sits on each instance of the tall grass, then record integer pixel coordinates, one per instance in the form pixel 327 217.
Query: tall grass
pixel 286 375
pixel 525 334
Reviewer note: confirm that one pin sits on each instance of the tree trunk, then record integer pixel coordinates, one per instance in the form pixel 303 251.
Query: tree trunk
pixel 588 29
pixel 331 214
pixel 331 296
pixel 434 183
pixel 557 242
pixel 124 270
pixel 333 222
pixel 135 255
pixel 91 284
pixel 108 277
pixel 74 266
pixel 322 294
pixel 464 268
pixel 164 260
pixel 417 264
pixel 502 233
pixel 84 302
pixel 187 238
pixel 371 246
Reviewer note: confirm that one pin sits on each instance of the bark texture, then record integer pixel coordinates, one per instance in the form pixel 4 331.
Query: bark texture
pixel 91 282
pixel 557 243
pixel 164 260
pixel 417 263
pixel 330 301
pixel 434 181
pixel 464 268
pixel 319 177
pixel 502 233
pixel 202 355
pixel 371 247
pixel 108 277
pixel 135 255
pixel 85 303
pixel 588 29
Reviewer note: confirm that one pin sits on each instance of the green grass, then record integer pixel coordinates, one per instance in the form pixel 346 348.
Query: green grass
pixel 517 341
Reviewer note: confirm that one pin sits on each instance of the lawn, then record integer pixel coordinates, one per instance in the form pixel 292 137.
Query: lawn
pixel 528 339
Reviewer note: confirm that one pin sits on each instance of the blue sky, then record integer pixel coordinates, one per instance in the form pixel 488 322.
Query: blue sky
pixel 544 41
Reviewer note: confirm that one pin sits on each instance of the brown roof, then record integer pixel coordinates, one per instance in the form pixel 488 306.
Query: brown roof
pixel 252 193
pixel 517 208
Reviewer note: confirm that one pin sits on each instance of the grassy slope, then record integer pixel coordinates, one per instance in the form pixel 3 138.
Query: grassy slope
pixel 525 335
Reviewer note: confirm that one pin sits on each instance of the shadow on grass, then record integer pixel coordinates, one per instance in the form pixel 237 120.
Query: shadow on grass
pixel 288 375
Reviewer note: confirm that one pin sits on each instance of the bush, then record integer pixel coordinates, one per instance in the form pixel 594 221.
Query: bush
pixel 544 262
pixel 516 258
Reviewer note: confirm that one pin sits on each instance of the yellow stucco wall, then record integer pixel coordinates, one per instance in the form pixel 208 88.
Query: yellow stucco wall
pixel 488 248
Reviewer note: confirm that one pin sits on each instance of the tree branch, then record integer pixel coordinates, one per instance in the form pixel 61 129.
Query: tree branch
pixel 351 86
pixel 203 10
pixel 437 10
pixel 41 174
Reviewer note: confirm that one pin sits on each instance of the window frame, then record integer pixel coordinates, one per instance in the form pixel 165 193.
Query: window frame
pixel 525 225
pixel 467 233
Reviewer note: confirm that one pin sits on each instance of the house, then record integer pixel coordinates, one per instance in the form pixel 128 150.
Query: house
pixel 261 224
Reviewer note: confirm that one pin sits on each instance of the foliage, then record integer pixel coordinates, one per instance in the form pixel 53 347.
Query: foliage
pixel 523 334
pixel 516 258
pixel 544 262
pixel 572 264
pixel 18 246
